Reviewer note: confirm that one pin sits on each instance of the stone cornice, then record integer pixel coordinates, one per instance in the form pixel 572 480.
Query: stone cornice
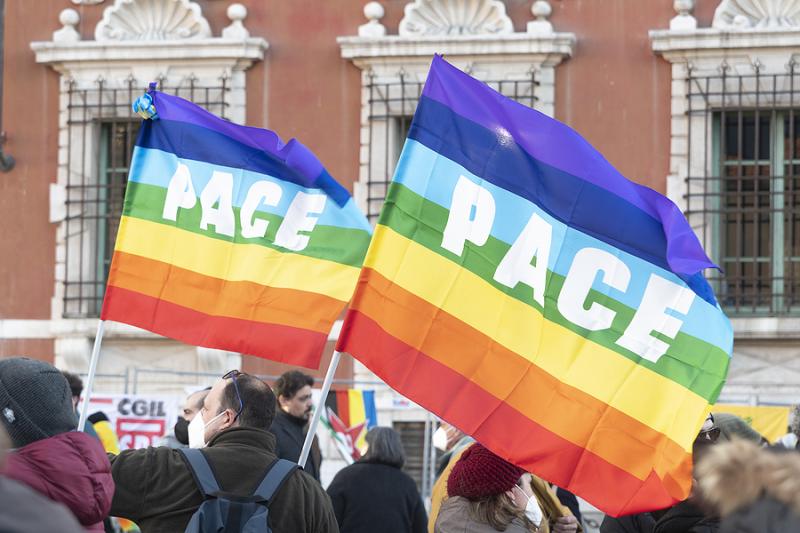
pixel 85 55
pixel 688 44
pixel 554 46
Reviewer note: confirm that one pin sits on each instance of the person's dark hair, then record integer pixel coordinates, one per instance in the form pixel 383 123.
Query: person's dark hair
pixel 385 447
pixel 291 382
pixel 75 383
pixel 258 401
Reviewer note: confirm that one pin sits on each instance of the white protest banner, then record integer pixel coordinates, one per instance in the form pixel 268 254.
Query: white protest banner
pixel 139 421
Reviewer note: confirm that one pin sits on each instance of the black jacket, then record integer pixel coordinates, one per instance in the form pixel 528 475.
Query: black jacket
pixel 369 497
pixel 155 487
pixel 683 517
pixel 766 515
pixel 290 433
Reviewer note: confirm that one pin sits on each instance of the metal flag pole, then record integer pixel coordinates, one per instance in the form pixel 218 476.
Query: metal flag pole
pixel 312 428
pixel 87 391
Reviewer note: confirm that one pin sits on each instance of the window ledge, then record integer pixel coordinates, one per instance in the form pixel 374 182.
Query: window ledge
pixel 766 327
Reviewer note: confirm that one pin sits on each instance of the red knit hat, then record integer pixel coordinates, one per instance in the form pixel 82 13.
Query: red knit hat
pixel 479 473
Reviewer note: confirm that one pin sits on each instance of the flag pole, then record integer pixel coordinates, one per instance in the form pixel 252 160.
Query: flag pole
pixel 312 428
pixel 87 391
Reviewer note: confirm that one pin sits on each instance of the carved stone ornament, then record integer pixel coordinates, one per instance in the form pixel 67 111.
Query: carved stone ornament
pixel 757 14
pixel 152 20
pixel 455 17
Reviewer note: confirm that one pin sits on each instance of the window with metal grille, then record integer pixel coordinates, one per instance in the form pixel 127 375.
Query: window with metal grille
pixel 391 107
pixel 744 186
pixel 101 131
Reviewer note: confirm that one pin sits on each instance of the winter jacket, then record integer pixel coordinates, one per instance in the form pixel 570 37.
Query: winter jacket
pixel 368 493
pixel 23 511
pixel 755 490
pixel 71 469
pixel 156 489
pixel 454 517
pixel 684 517
pixel 290 433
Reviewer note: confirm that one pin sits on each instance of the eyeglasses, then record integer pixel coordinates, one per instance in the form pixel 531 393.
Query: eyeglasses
pixel 709 432
pixel 233 374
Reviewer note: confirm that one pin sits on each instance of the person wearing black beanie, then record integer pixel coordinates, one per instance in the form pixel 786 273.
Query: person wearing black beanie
pixel 49 456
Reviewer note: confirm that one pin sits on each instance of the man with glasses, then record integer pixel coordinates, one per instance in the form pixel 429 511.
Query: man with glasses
pixel 157 490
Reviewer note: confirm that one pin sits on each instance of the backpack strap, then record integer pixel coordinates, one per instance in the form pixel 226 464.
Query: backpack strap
pixel 276 475
pixel 201 471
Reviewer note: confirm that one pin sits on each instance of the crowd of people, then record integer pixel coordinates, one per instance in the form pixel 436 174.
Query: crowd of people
pixel 230 465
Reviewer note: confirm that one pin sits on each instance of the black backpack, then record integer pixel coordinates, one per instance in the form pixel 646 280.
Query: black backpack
pixel 221 511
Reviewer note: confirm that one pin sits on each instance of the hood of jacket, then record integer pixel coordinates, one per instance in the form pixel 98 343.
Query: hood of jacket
pixel 70 468
pixel 735 475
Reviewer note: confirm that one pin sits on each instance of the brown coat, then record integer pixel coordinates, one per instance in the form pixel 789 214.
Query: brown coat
pixel 155 487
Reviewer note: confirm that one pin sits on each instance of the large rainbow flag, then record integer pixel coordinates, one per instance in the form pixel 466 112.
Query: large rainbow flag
pixel 232 239
pixel 522 289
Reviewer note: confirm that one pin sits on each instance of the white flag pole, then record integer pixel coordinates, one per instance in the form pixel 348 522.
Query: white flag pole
pixel 312 428
pixel 87 391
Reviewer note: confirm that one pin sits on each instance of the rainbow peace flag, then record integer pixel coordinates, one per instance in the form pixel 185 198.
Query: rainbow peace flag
pixel 232 239
pixel 523 290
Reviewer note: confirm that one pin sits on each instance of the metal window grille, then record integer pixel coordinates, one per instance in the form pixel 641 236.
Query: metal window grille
pixel 391 108
pixel 101 131
pixel 744 185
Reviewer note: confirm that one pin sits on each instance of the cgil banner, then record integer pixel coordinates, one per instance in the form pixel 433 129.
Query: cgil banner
pixel 139 421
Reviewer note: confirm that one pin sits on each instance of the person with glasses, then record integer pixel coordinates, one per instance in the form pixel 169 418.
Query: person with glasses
pixel 156 487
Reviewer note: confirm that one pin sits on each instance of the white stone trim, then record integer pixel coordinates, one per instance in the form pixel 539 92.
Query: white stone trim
pixel 738 14
pixel 136 20
pixel 455 17
pixel 704 51
pixel 505 56
pixel 81 64
pixel 546 49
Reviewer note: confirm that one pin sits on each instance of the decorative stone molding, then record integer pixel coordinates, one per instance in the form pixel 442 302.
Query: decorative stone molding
pixel 455 17
pixel 684 19
pixel 236 13
pixel 87 2
pixel 374 12
pixel 69 18
pixel 759 14
pixel 152 20
pixel 476 36
pixel 157 48
pixel 541 10
pixel 695 53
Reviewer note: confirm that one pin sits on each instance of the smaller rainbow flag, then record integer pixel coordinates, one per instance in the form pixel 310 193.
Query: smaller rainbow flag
pixel 348 415
pixel 231 239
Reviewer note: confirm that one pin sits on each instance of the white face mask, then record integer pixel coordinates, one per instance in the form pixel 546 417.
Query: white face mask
pixel 197 430
pixel 440 439
pixel 532 510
